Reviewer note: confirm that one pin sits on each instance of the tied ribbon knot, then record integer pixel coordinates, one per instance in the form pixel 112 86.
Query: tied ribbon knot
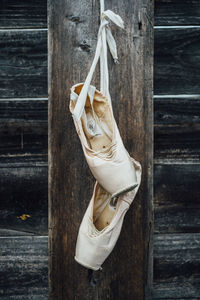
pixel 117 20
pixel 104 37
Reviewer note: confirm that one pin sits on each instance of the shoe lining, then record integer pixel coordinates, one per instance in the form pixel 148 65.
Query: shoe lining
pixel 97 121
pixel 104 208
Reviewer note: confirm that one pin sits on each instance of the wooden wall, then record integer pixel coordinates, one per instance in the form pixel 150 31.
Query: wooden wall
pixel 177 149
pixel 23 150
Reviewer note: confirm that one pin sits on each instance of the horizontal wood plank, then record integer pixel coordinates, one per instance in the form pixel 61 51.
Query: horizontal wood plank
pixel 33 14
pixel 177 61
pixel 23 126
pixel 176 198
pixel 23 144
pixel 24 194
pixel 23 13
pixel 177 141
pixel 179 110
pixel 176 12
pixel 24 71
pixel 23 113
pixel 176 266
pixel 23 60
pixel 176 183
pixel 175 219
pixel 10 232
pixel 23 190
pixel 177 127
pixel 24 268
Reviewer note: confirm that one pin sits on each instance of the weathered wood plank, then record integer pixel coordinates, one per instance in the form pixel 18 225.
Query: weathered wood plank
pixel 178 219
pixel 23 13
pixel 173 62
pixel 35 296
pixel 23 191
pixel 176 12
pixel 23 126
pixel 33 14
pixel 23 60
pixel 182 109
pixel 176 197
pixel 24 113
pixel 24 268
pixel 10 232
pixel 177 127
pixel 176 266
pixel 176 183
pixel 22 143
pixel 177 61
pixel 177 141
pixel 69 62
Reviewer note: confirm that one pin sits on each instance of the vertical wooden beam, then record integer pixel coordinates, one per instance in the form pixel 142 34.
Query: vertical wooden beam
pixel 73 26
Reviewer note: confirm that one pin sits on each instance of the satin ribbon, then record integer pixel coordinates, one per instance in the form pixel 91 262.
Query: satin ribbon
pixel 104 37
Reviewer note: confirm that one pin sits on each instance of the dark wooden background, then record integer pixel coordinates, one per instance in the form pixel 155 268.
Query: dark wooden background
pixel 23 150
pixel 127 274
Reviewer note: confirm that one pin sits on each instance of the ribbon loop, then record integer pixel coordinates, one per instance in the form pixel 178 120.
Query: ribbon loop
pixel 116 19
pixel 104 36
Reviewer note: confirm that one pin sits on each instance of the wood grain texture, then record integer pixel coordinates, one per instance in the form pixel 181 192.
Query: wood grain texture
pixel 176 182
pixel 10 232
pixel 176 197
pixel 177 127
pixel 24 260
pixel 177 218
pixel 23 61
pixel 180 110
pixel 24 268
pixel 177 142
pixel 176 201
pixel 23 126
pixel 70 183
pixel 176 12
pixel 24 71
pixel 24 113
pixel 23 143
pixel 23 190
pixel 23 13
pixel 177 61
pixel 176 266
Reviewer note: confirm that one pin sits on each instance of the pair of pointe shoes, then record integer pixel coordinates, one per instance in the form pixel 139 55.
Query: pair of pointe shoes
pixel 117 175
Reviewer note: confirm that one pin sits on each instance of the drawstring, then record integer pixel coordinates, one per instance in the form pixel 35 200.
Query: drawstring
pixel 104 37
